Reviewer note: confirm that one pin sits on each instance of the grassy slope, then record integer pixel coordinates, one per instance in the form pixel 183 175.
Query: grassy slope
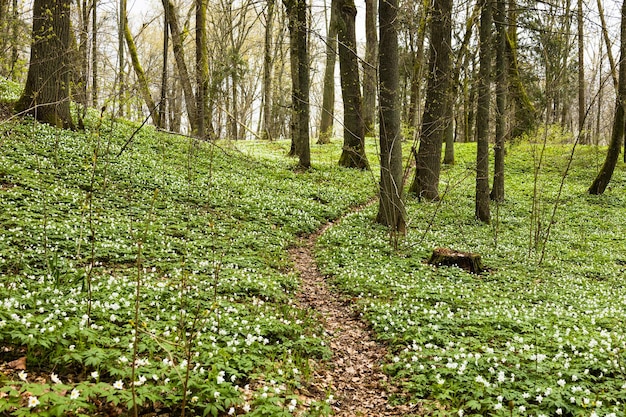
pixel 203 229
pixel 523 339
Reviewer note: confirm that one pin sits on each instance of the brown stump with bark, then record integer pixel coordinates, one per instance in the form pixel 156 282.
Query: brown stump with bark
pixel 468 261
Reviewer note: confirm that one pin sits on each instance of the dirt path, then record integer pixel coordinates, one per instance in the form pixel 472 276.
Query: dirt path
pixel 353 373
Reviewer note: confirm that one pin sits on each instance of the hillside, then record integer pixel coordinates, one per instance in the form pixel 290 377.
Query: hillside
pixel 183 242
pixel 173 255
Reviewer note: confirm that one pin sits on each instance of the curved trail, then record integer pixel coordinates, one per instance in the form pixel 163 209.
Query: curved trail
pixel 353 373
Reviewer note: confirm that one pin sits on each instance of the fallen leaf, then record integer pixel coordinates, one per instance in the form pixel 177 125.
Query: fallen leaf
pixel 18 364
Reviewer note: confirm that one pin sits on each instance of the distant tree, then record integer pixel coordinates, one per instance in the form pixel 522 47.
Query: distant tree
pixel 353 153
pixel 609 45
pixel 181 63
pixel 94 54
pixel 4 25
pixel 81 67
pixel 297 24
pixel 121 74
pixel 482 115
pixel 416 32
pixel 369 67
pixel 144 88
pixel 436 115
pixel 46 95
pixel 617 133
pixel 391 209
pixel 267 133
pixel 461 61
pixel 328 94
pixel 582 111
pixel 164 72
pixel 523 111
pixel 202 68
pixel 553 51
pixel 497 191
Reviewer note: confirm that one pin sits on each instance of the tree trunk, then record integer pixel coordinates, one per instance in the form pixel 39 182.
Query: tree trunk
pixel 369 67
pixel 164 73
pixel 202 68
pixel 448 155
pixel 267 133
pixel 179 56
pixel 584 137
pixel 436 115
pixel 417 70
pixel 497 191
pixel 391 210
pixel 141 76
pixel 524 113
pixel 121 58
pixel 4 35
pixel 617 133
pixel 328 96
pixel 83 60
pixel 482 116
pixel 297 16
pixel 175 105
pixel 470 130
pixel 15 34
pixel 94 54
pixel 609 46
pixel 471 262
pixel 46 95
pixel 461 57
pixel 353 153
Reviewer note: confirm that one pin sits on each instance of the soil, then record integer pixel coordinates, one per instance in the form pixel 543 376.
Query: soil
pixel 354 372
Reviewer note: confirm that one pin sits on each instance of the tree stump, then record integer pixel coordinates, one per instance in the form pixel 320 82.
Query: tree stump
pixel 468 261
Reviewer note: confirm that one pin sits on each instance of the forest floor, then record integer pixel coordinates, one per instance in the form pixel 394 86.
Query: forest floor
pixel 353 373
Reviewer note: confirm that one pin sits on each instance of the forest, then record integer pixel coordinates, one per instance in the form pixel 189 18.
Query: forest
pixel 322 208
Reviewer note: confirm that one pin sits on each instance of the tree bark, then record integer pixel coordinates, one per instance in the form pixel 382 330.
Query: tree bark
pixel 328 96
pixel 164 72
pixel 581 75
pixel 353 153
pixel 179 56
pixel 141 76
pixel 448 134
pixel 4 34
pixel 418 65
pixel 83 59
pixel 202 69
pixel 461 57
pixel 482 116
pixel 46 95
pixel 609 46
pixel 94 54
pixel 497 191
pixel 297 17
pixel 391 209
pixel 267 133
pixel 121 59
pixel 436 115
pixel 369 67
pixel 471 262
pixel 15 33
pixel 617 133
pixel 524 113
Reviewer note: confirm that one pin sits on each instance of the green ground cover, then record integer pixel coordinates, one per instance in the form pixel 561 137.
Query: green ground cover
pixel 530 337
pixel 176 241
pixel 160 278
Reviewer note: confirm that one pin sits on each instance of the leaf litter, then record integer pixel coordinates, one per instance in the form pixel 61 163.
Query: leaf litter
pixel 353 375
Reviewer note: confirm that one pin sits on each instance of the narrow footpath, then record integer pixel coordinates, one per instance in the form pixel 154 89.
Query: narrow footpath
pixel 353 373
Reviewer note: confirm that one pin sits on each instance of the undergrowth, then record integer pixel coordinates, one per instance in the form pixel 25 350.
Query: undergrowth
pixel 156 279
pixel 542 333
